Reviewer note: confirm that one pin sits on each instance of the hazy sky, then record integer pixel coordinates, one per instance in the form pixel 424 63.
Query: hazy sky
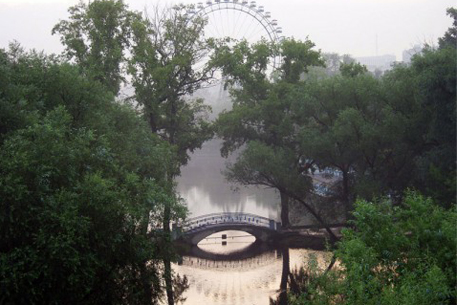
pixel 342 26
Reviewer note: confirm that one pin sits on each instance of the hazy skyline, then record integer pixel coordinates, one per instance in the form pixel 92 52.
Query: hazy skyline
pixel 356 27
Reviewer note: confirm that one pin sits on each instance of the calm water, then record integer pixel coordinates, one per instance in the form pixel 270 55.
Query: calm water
pixel 206 191
pixel 234 276
pixel 241 271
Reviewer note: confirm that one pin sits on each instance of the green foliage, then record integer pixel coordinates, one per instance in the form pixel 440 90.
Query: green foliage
pixel 245 66
pixel 384 134
pixel 82 179
pixel 311 284
pixel 96 37
pixel 340 126
pixel 261 116
pixel 436 78
pixel 64 223
pixel 260 164
pixel 164 52
pixel 20 97
pixel 333 64
pixel 352 69
pixel 401 253
pixel 450 37
pixel 394 255
pixel 297 57
pixel 34 83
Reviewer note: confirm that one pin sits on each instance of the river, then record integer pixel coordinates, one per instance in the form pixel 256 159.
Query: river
pixel 237 282
pixel 239 271
pixel 206 191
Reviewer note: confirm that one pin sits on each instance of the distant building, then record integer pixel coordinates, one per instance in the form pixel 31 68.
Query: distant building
pixel 377 63
pixel 408 54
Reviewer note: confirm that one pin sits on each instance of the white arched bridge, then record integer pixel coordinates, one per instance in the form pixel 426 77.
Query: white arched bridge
pixel 198 228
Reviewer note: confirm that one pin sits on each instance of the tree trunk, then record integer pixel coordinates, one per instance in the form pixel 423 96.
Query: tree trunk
pixel 167 212
pixel 146 282
pixel 168 281
pixel 345 195
pixel 144 273
pixel 284 276
pixel 166 259
pixel 284 210
pixel 152 123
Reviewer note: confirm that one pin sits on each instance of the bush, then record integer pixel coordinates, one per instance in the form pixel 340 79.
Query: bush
pixel 401 254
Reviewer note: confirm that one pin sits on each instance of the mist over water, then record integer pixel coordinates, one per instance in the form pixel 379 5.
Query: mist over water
pixel 206 191
pixel 202 184
pixel 238 271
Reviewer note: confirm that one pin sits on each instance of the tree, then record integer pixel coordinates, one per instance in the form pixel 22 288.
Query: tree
pixel 15 112
pixel 394 255
pixel 352 69
pixel 96 38
pixel 355 124
pixel 326 137
pixel 401 128
pixel 435 75
pixel 262 165
pixel 165 51
pixel 450 37
pixel 74 197
pixel 69 222
pixel 333 62
pixel 261 120
pixel 379 132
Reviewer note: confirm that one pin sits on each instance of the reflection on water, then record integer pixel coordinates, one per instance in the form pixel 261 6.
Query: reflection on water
pixel 241 285
pixel 256 262
pixel 239 278
pixel 242 270
pixel 206 191
pixel 226 242
pixel 248 281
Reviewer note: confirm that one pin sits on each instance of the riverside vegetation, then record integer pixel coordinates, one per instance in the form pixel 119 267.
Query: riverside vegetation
pixel 87 191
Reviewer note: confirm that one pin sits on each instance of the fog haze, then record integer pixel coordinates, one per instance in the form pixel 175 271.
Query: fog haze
pixel 356 27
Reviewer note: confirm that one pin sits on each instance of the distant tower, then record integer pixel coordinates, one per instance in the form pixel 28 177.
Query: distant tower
pixel 376 44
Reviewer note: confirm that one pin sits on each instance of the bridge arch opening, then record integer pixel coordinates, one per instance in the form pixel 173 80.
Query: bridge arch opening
pixel 227 241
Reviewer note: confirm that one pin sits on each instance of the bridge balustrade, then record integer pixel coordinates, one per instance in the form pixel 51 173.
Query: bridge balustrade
pixel 227 218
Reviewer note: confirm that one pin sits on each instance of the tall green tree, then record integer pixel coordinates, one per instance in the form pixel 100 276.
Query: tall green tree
pixel 450 37
pixel 384 134
pixel 261 120
pixel 436 77
pixel 350 123
pixel 166 50
pixel 96 37
pixel 167 47
pixel 81 176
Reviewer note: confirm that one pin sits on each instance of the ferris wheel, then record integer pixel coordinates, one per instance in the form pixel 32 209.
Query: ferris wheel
pixel 238 20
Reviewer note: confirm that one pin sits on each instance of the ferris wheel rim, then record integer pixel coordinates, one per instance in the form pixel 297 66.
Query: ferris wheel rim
pixel 260 15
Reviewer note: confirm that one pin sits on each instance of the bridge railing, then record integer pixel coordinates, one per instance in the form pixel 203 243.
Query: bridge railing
pixel 204 221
